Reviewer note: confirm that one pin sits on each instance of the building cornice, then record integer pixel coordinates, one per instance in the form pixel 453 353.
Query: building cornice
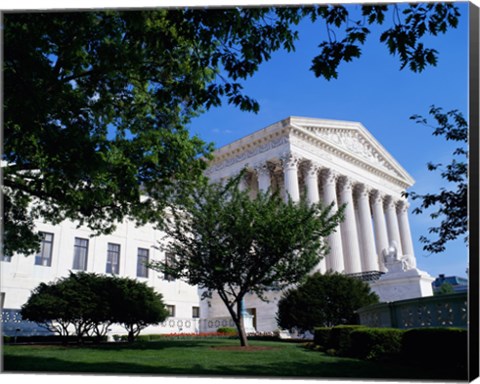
pixel 346 140
pixel 394 175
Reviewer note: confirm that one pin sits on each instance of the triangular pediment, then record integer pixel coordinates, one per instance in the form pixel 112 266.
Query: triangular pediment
pixel 354 140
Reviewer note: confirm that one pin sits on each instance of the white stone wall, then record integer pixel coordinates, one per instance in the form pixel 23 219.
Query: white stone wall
pixel 20 276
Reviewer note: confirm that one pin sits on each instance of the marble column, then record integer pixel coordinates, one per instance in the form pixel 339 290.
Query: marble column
pixel 313 197
pixel 311 183
pixel 404 228
pixel 367 240
pixel 243 183
pixel 380 227
pixel 290 174
pixel 263 175
pixel 334 260
pixel 392 224
pixel 351 246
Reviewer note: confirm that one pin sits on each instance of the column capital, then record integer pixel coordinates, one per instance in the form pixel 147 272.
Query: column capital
pixel 402 205
pixel 289 160
pixel 377 197
pixel 389 202
pixel 329 176
pixel 345 183
pixel 310 168
pixel 262 168
pixel 361 190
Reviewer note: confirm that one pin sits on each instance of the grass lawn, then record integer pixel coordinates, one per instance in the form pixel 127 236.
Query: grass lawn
pixel 208 357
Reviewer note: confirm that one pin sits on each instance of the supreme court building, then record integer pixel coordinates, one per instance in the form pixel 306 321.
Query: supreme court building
pixel 327 160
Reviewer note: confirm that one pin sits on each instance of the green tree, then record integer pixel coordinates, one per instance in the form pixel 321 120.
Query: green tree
pixel 226 242
pixel 450 203
pixel 48 309
pixel 89 303
pixel 97 104
pixel 323 301
pixel 445 289
pixel 64 304
pixel 135 305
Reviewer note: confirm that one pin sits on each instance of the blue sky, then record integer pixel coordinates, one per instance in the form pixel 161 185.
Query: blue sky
pixel 374 91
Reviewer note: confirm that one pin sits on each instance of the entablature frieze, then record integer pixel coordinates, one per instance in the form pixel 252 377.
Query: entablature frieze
pixel 242 155
pixel 355 150
pixel 339 146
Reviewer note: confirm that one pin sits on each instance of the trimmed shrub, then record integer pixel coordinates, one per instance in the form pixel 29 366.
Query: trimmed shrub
pixel 340 338
pixel 375 343
pixel 144 338
pixel 227 330
pixel 321 336
pixel 156 336
pixel 436 345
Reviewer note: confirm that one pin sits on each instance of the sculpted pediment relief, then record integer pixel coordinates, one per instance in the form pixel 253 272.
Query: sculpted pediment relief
pixel 327 139
pixel 355 141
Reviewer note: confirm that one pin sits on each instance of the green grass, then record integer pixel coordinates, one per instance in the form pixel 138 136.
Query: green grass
pixel 201 357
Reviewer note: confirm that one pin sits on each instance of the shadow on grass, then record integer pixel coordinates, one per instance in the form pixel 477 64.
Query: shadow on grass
pixel 323 367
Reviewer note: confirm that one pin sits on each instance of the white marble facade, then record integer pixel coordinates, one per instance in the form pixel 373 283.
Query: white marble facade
pixel 327 160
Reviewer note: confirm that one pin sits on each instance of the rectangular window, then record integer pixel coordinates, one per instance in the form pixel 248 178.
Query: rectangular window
pixel 195 312
pixel 171 310
pixel 44 257
pixel 142 261
pixel 80 254
pixel 113 259
pixel 169 259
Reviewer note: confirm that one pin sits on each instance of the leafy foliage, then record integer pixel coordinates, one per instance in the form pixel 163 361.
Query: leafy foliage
pixel 226 242
pixel 323 301
pixel 135 305
pixel 445 289
pixel 376 343
pixel 449 204
pixel 97 104
pixel 90 303
pixel 411 23
pixel 102 134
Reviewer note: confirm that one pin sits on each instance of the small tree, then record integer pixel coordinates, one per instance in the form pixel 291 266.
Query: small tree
pixel 445 289
pixel 48 309
pixel 323 301
pixel 135 305
pixel 90 303
pixel 228 243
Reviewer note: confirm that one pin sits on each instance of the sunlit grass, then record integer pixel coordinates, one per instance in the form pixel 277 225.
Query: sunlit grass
pixel 207 357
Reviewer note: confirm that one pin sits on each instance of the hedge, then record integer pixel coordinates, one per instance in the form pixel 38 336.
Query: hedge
pixel 321 336
pixel 227 330
pixel 339 339
pixel 424 346
pixel 376 343
pixel 436 345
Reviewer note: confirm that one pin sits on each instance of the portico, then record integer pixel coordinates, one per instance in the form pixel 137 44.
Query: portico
pixel 334 162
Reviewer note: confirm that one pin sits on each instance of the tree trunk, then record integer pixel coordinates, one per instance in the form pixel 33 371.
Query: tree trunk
pixel 241 326
pixel 131 336
pixel 236 317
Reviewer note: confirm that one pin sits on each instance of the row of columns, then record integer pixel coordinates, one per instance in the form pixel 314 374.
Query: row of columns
pixel 373 221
